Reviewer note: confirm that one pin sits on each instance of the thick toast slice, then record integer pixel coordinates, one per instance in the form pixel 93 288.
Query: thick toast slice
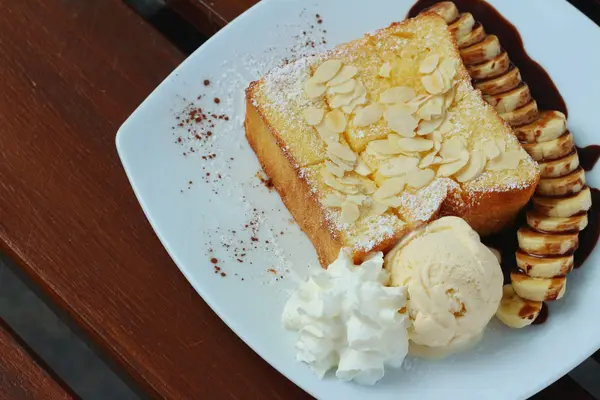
pixel 382 134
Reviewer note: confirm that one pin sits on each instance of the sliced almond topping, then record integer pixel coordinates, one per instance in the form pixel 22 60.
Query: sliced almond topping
pixel 434 82
pixel 420 99
pixel 334 183
pixel 343 164
pixel 342 151
pixel 368 187
pixel 334 169
pixel 326 134
pixel 415 145
pixel 432 108
pixel 385 70
pixel 474 167
pixel 400 121
pixel 427 160
pixel 314 89
pixel 397 94
pixel 334 199
pixel 410 108
pixel 418 178
pixel 335 121
pixel 327 71
pixel 429 63
pixel 341 100
pixel 393 201
pixel 451 148
pixel 362 168
pixel 390 187
pixel 346 73
pixel 350 213
pixel 451 168
pixel 377 209
pixel 448 68
pixel 491 149
pixel 382 147
pixel 357 199
pixel 507 160
pixel 368 115
pixel 446 126
pixel 397 166
pixel 313 115
pixel 449 97
pixel 501 144
pixel 426 127
pixel 345 87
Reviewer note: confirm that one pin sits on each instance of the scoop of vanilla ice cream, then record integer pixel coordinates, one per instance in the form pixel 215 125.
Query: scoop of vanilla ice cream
pixel 454 283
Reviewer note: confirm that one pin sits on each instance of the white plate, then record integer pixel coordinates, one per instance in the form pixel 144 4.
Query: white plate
pixel 507 364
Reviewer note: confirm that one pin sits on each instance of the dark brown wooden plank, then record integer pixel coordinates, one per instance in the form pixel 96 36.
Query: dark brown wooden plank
pixel 22 376
pixel 72 71
pixel 210 15
pixel 564 388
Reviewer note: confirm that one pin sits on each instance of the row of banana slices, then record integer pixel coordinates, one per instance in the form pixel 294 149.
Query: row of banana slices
pixel 562 199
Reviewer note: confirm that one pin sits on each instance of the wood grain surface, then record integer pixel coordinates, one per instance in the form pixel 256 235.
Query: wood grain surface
pixel 72 71
pixel 22 376
pixel 208 16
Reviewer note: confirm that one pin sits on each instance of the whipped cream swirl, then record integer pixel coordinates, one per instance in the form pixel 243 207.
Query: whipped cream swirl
pixel 346 317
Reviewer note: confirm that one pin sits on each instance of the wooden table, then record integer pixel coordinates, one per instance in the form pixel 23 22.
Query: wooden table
pixel 72 71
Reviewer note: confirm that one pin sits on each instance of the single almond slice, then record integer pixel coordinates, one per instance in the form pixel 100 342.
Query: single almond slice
pixel 345 87
pixel 330 180
pixel 510 159
pixel 314 89
pixel 392 201
pixel 334 199
pixel 313 115
pixel 362 168
pixel 343 164
pixel 327 71
pixel 382 147
pixel 357 199
pixel 447 68
pixel 452 168
pixel 346 73
pixel 501 144
pixel 432 108
pixel 410 108
pixel 434 82
pixel 385 70
pixel 451 148
pixel 426 127
pixel 335 121
pixel 429 63
pixel 341 100
pixel 334 169
pixel 397 166
pixel 350 213
pixel 326 134
pixel 491 149
pixel 377 209
pixel 474 167
pixel 397 94
pixel 368 115
pixel 368 187
pixel 400 121
pixel 390 187
pixel 418 178
pixel 342 151
pixel 415 145
pixel 449 97
pixel 420 99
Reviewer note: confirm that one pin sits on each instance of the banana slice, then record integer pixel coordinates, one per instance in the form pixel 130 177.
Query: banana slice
pixel 549 126
pixel 501 84
pixel 463 25
pixel 544 267
pixel 471 38
pixel 560 167
pixel 515 311
pixel 538 289
pixel 511 100
pixel 563 206
pixel 490 69
pixel 485 50
pixel 446 10
pixel 543 223
pixel 521 116
pixel 552 149
pixel 544 244
pixel 563 185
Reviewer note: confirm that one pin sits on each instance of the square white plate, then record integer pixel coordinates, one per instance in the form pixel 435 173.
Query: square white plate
pixel 210 213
